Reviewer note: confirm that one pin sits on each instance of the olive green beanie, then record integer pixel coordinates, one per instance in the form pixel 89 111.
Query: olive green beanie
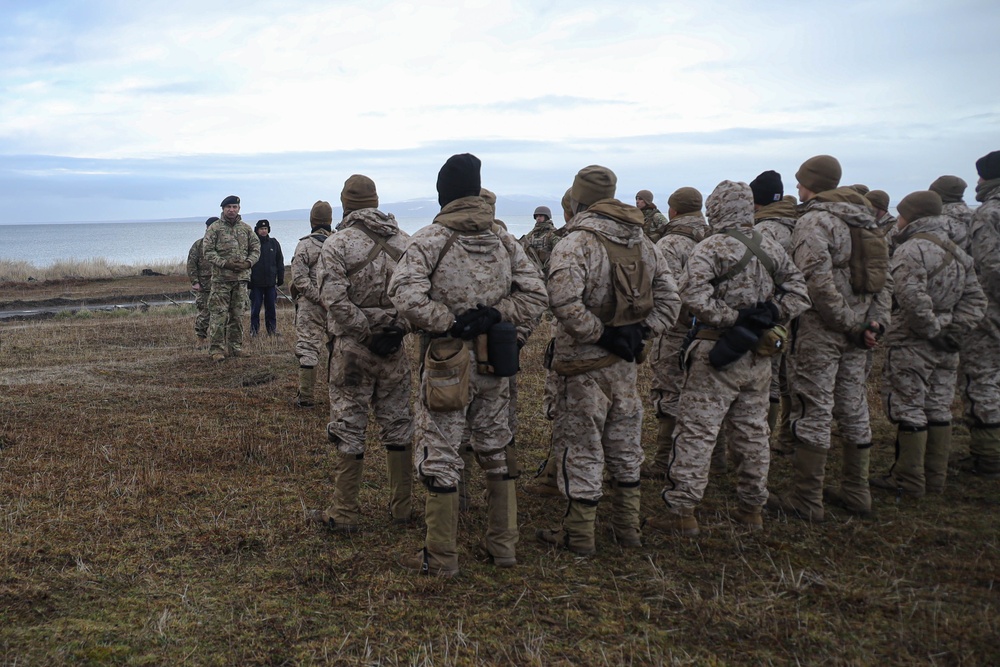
pixel 645 195
pixel 819 173
pixel 685 200
pixel 593 184
pixel 951 188
pixel 879 199
pixel 358 193
pixel 567 205
pixel 321 214
pixel 919 204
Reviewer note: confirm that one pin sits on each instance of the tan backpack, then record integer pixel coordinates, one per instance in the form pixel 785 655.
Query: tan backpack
pixel 631 284
pixel 869 261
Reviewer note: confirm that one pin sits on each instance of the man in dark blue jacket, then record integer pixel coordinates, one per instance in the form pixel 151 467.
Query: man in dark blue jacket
pixel 265 276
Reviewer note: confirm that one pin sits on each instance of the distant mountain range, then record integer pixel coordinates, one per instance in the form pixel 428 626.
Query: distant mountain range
pixel 512 206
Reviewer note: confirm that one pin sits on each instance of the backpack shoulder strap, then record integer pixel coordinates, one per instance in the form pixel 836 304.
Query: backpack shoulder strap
pixel 948 247
pixel 754 249
pixel 379 246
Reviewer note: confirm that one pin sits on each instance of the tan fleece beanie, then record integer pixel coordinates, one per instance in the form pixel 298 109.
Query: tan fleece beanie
pixel 645 195
pixel 951 188
pixel 879 199
pixel 593 184
pixel 919 204
pixel 819 173
pixel 321 214
pixel 685 200
pixel 358 193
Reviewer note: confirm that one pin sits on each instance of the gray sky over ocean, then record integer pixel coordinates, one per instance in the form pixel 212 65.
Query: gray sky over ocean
pixel 115 110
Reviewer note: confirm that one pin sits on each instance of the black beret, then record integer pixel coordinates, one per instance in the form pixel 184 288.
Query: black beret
pixel 231 199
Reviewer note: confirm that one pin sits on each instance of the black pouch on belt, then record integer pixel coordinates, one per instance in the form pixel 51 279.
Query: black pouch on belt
pixel 502 349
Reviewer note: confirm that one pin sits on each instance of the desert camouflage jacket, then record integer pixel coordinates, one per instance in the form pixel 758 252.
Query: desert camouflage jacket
pixel 580 279
pixel 225 242
pixel 731 206
pixel 353 289
pixel 305 265
pixel 821 248
pixel 777 221
pixel 654 223
pixel 199 270
pixel 932 287
pixel 985 246
pixel 680 237
pixel 959 221
pixel 538 244
pixel 484 265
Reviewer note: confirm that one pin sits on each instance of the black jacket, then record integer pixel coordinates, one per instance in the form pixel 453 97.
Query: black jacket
pixel 270 268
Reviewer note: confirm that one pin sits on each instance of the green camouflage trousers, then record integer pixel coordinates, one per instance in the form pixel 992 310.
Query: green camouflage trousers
pixel 202 318
pixel 227 306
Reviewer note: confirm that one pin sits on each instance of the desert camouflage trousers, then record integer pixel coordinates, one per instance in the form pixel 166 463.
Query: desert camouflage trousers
pixel 597 423
pixel 826 375
pixel 439 435
pixel 980 378
pixel 779 378
pixel 203 317
pixel 361 381
pixel 668 376
pixel 919 383
pixel 227 306
pixel 736 395
pixel 310 331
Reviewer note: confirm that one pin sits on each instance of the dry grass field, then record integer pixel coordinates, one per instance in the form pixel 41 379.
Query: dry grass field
pixel 152 512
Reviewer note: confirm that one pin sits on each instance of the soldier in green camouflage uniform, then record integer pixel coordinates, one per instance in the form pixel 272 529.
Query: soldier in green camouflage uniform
pixel 654 222
pixel 199 272
pixel 538 243
pixel 232 248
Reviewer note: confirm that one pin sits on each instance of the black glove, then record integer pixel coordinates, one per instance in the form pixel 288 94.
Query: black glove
pixel 732 345
pixel 757 317
pixel 388 342
pixel 947 340
pixel 475 321
pixel 772 308
pixel 625 341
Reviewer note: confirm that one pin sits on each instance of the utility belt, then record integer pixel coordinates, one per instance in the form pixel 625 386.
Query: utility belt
pixel 571 367
pixel 447 366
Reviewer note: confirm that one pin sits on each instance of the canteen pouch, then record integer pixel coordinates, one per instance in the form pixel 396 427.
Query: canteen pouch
pixel 446 372
pixel 773 341
pixel 502 349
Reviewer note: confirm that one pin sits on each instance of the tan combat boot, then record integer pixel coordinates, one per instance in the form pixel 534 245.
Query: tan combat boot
pixel 680 520
pixel 748 516
pixel 439 558
pixel 399 462
pixel 985 451
pixel 544 483
pixel 854 494
pixel 936 456
pixel 577 532
pixel 805 500
pixel 344 515
pixel 625 499
pixel 657 468
pixel 500 542
pixel 906 477
pixel 307 384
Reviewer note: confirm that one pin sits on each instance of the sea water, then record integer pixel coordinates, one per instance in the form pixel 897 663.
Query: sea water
pixel 136 243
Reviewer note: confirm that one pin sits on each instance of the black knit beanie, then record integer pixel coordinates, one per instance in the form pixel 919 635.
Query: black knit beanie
pixel 767 188
pixel 459 177
pixel 988 166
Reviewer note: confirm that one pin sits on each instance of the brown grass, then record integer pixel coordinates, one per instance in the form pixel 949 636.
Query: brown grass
pixel 98 267
pixel 151 512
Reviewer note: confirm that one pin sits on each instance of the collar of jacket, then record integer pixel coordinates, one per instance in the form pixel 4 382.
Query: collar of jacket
pixel 467 214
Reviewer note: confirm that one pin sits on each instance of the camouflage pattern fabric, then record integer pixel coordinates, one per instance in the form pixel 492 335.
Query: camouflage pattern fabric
pixel 484 265
pixel 777 222
pixel 228 306
pixel 538 244
pixel 981 346
pixel 204 316
pixel 826 364
pixel 310 313
pixel 959 221
pixel 654 223
pixel 199 272
pixel 738 393
pixel 229 301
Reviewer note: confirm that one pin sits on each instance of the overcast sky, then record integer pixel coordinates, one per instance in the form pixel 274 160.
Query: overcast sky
pixel 114 110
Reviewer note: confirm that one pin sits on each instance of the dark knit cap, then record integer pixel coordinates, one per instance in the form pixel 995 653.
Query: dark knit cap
pixel 231 199
pixel 988 166
pixel 543 210
pixel 879 199
pixel 767 188
pixel 593 184
pixel 685 200
pixel 819 173
pixel 321 214
pixel 262 224
pixel 358 193
pixel 459 177
pixel 645 195
pixel 919 204
pixel 211 220
pixel 951 188
pixel 860 188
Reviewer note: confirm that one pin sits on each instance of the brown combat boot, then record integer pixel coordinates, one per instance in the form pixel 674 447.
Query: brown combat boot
pixel 680 521
pixel 399 463
pixel 625 499
pixel 748 516
pixel 906 477
pixel 854 494
pixel 544 483
pixel 984 450
pixel 805 500
pixel 657 468
pixel 307 383
pixel 344 514
pixel 500 542
pixel 936 456
pixel 577 532
pixel 439 558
